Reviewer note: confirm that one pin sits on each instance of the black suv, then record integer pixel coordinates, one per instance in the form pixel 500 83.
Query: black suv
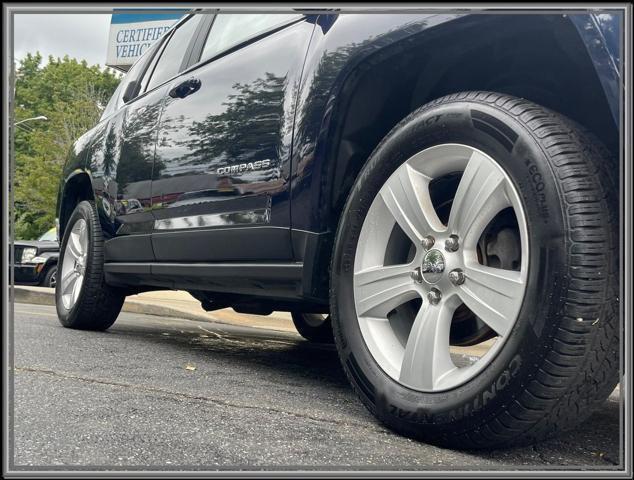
pixel 436 193
pixel 35 261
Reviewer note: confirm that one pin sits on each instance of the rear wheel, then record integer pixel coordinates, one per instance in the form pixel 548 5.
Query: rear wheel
pixel 474 276
pixel 314 327
pixel 83 298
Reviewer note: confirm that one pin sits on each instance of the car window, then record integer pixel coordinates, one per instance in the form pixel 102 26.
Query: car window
pixel 230 29
pixel 112 103
pixel 152 63
pixel 171 59
pixel 137 70
pixel 133 74
pixel 49 236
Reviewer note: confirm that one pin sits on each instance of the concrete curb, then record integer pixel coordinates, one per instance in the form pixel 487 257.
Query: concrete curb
pixel 134 306
pixel 42 297
pixel 28 295
pixel 46 296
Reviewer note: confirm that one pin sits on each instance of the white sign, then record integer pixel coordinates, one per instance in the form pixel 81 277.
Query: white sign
pixel 131 34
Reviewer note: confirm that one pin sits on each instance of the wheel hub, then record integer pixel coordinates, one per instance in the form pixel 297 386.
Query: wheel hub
pixel 80 266
pixel 433 266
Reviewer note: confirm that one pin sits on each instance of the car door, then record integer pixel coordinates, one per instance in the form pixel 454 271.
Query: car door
pixel 121 161
pixel 220 189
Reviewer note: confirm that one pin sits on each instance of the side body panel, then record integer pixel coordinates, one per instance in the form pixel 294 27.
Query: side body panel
pixel 121 164
pixel 222 166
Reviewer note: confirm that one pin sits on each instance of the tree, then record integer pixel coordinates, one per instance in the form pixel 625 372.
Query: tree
pixel 72 95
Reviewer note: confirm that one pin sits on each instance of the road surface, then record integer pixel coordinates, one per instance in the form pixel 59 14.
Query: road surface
pixel 164 393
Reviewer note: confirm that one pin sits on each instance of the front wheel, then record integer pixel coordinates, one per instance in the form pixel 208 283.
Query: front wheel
pixel 474 275
pixel 83 299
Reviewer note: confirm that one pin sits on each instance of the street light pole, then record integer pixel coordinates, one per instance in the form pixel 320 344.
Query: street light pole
pixel 40 117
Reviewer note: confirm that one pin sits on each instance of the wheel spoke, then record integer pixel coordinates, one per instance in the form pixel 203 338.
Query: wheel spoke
pixel 83 238
pixel 77 288
pixel 406 195
pixel 74 247
pixel 481 194
pixel 494 295
pixel 427 357
pixel 70 274
pixel 378 290
pixel 69 283
pixel 73 263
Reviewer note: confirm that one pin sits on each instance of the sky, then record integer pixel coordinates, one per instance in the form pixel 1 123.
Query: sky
pixel 83 36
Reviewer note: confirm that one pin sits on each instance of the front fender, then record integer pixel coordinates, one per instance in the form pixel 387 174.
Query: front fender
pixel 340 47
pixel 51 258
pixel 601 35
pixel 76 171
pixel 75 163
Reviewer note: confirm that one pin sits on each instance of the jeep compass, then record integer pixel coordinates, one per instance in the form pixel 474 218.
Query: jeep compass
pixel 435 193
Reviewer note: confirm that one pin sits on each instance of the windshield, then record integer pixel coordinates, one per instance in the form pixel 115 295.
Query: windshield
pixel 49 236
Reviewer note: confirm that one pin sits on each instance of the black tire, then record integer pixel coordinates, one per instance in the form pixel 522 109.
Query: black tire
pixel 313 327
pixel 561 359
pixel 49 279
pixel 98 304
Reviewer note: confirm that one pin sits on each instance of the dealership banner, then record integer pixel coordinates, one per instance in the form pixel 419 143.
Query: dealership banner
pixel 133 33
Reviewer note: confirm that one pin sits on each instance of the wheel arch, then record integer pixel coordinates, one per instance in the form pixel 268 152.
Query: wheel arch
pixel 76 188
pixel 541 58
pixel 51 260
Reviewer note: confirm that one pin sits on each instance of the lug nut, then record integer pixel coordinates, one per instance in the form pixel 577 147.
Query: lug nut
pixel 428 242
pixel 452 244
pixel 417 275
pixel 456 276
pixel 434 296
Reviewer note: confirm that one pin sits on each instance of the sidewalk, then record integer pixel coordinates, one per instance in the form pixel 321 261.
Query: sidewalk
pixel 171 303
pixel 188 305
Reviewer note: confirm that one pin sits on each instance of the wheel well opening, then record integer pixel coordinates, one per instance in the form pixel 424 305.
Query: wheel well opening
pixel 77 189
pixel 537 57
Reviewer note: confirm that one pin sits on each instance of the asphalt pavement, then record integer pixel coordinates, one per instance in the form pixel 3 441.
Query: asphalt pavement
pixel 164 393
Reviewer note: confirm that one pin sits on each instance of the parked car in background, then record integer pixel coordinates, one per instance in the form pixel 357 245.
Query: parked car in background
pixel 437 193
pixel 35 261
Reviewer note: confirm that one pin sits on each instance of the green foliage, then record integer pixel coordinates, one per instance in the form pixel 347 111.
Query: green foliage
pixel 72 95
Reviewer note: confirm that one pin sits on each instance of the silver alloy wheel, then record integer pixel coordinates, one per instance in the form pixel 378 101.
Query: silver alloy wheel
pixel 444 276
pixel 74 264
